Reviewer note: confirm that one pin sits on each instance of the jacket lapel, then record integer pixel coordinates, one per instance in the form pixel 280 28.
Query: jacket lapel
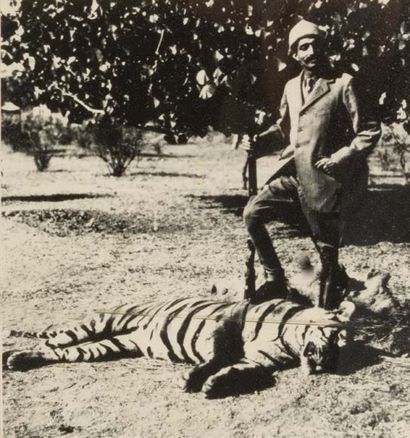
pixel 294 95
pixel 320 89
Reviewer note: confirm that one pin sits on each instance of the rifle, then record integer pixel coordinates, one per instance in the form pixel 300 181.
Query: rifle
pixel 250 287
pixel 244 122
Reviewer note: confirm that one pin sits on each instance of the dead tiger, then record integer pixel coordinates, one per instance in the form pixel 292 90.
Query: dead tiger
pixel 235 346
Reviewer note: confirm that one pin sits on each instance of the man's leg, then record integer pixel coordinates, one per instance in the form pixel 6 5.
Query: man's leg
pixel 325 229
pixel 257 213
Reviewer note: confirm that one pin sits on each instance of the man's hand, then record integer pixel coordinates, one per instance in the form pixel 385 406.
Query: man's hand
pixel 335 161
pixel 326 165
pixel 287 152
pixel 248 143
pixel 263 143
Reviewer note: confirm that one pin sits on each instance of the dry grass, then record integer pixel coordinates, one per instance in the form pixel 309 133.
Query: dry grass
pixel 76 240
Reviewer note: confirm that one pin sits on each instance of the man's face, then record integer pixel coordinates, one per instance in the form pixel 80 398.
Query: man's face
pixel 309 52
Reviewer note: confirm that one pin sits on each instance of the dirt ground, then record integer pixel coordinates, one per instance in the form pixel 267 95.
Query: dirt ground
pixel 76 240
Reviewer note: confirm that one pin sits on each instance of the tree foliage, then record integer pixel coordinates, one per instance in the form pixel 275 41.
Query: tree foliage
pixel 184 65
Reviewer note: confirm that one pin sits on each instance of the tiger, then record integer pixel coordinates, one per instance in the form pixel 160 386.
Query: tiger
pixel 235 347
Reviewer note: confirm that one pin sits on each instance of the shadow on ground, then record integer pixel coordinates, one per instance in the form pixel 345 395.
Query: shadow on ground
pixel 231 204
pixel 66 222
pixel 167 174
pixel 357 356
pixel 287 221
pixel 384 216
pixel 58 197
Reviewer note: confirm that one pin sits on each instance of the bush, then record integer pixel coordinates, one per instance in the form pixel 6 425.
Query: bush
pixel 116 144
pixel 396 145
pixel 12 134
pixel 82 134
pixel 386 158
pixel 41 131
pixel 67 136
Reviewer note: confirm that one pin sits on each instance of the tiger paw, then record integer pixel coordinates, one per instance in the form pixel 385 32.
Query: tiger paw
pixel 216 387
pixel 5 357
pixel 191 382
pixel 24 360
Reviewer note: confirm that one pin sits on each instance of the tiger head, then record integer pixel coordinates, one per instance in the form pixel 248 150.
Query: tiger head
pixel 375 296
pixel 371 295
pixel 326 334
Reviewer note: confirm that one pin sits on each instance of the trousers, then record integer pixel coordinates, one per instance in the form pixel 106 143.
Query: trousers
pixel 270 201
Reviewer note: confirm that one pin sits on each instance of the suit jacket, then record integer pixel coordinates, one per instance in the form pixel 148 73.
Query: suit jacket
pixel 328 121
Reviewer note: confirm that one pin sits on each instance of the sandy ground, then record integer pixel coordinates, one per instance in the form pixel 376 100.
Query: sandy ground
pixel 76 240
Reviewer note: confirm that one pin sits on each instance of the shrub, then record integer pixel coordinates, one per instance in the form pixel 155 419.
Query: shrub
pixel 12 134
pixel 82 134
pixel 395 142
pixel 67 136
pixel 386 158
pixel 116 144
pixel 41 131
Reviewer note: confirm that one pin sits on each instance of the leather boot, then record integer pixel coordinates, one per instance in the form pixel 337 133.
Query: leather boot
pixel 333 280
pixel 275 286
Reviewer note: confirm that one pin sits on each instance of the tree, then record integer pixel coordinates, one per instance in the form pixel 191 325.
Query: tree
pixel 184 65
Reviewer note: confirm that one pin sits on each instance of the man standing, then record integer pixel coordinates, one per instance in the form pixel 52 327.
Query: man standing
pixel 328 142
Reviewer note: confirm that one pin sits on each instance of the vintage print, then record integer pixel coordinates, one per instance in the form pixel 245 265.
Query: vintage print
pixel 205 213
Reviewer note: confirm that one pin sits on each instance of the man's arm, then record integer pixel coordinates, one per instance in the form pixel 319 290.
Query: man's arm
pixel 273 138
pixel 367 133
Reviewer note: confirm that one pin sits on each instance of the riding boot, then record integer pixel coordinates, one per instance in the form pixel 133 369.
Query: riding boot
pixel 333 279
pixel 275 286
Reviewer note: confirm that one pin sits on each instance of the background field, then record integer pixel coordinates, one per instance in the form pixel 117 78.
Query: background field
pixel 77 240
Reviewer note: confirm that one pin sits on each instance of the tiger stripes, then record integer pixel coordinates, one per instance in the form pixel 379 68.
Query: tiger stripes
pixel 223 339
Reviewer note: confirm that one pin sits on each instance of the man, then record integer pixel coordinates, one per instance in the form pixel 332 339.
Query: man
pixel 328 142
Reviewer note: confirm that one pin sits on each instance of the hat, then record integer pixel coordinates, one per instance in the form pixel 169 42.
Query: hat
pixel 303 29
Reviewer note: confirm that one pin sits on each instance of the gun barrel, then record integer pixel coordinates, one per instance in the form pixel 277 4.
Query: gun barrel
pixel 250 287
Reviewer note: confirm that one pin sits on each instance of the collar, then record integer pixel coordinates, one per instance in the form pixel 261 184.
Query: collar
pixel 321 87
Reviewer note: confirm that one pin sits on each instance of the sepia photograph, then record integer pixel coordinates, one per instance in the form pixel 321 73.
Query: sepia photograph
pixel 205 214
